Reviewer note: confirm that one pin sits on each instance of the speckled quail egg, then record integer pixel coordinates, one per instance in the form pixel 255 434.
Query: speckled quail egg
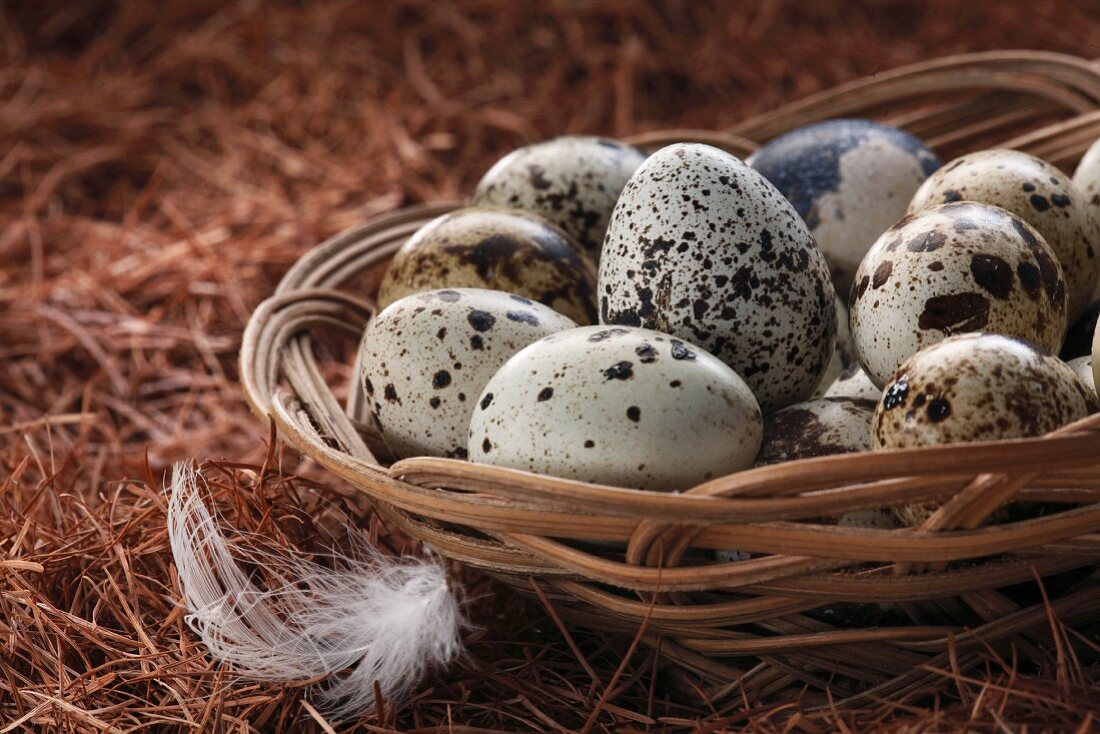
pixel 844 354
pixel 876 518
pixel 498 249
pixel 617 406
pixel 820 427
pixel 1078 341
pixel 1096 357
pixel 952 269
pixel 703 247
pixel 853 382
pixel 1082 367
pixel 1087 179
pixel 850 180
pixel 572 181
pixel 832 372
pixel 978 387
pixel 1038 193
pixel 844 344
pixel 427 357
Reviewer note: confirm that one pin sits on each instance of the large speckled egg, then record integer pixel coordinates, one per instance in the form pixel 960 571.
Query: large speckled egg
pixel 1038 193
pixel 703 247
pixel 1082 367
pixel 572 181
pixel 617 406
pixel 427 357
pixel 497 249
pixel 853 382
pixel 850 180
pixel 821 427
pixel 952 269
pixel 978 387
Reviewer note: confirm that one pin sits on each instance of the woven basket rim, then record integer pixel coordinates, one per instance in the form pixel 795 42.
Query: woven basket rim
pixel 525 528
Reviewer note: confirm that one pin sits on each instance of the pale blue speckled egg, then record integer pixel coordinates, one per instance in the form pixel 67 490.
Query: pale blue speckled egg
pixel 850 180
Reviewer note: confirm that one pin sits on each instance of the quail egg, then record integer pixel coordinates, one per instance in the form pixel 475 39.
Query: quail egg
pixel 850 180
pixel 843 354
pixel 498 249
pixel 617 406
pixel 1078 341
pixel 1087 177
pixel 1082 367
pixel 703 247
pixel 978 387
pixel 821 427
pixel 1038 193
pixel 876 518
pixel 427 357
pixel 1096 357
pixel 832 372
pixel 572 181
pixel 853 382
pixel 952 269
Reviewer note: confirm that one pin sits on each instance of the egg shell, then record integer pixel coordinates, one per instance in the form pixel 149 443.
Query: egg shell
pixel 1087 179
pixel 572 181
pixel 978 387
pixel 821 427
pixel 1078 341
pixel 875 518
pixel 1038 193
pixel 843 354
pixel 427 357
pixel 731 556
pixel 832 372
pixel 617 406
pixel 497 249
pixel 953 269
pixel 853 382
pixel 703 247
pixel 1096 356
pixel 1082 367
pixel 849 180
pixel 844 344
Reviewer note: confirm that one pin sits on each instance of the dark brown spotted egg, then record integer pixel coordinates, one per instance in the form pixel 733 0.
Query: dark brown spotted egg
pixel 949 270
pixel 498 249
pixel 978 387
pixel 850 180
pixel 853 382
pixel 572 181
pixel 821 427
pixel 427 357
pixel 1035 191
pixel 617 406
pixel 1082 367
pixel 703 247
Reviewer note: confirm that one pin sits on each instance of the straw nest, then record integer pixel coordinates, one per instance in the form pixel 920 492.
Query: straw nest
pixel 766 626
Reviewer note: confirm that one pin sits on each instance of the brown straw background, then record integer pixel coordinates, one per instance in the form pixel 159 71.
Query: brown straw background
pixel 161 168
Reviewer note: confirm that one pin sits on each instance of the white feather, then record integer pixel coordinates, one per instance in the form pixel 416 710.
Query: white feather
pixel 380 619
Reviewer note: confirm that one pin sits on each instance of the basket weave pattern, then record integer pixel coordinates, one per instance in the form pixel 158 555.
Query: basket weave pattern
pixel 743 626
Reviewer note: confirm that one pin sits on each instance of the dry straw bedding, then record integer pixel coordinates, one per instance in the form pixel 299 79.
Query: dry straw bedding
pixel 161 167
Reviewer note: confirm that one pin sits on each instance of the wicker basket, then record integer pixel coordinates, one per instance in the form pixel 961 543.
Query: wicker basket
pixel 757 628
